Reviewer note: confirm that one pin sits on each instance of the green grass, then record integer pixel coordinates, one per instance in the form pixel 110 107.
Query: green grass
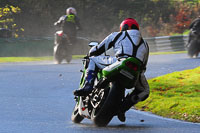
pixel 78 56
pixel 186 32
pixel 23 59
pixel 27 59
pixel 175 95
pixel 158 53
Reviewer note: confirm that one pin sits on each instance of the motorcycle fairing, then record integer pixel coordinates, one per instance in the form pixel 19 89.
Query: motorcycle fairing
pixel 127 71
pixel 82 109
pixel 59 33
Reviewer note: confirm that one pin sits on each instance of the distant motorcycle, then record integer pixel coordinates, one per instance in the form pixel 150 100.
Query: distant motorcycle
pixel 103 103
pixel 193 46
pixel 62 48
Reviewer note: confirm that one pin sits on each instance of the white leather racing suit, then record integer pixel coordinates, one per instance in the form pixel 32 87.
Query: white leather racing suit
pixel 125 44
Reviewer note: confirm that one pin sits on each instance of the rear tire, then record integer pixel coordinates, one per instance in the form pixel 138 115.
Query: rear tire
pixel 76 117
pixel 104 112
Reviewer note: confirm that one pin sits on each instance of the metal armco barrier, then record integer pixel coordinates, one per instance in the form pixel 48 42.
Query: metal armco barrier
pixel 44 46
pixel 12 47
pixel 167 43
pixel 25 47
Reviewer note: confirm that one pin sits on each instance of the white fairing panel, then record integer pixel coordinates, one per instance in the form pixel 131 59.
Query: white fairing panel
pixel 82 110
pixel 114 65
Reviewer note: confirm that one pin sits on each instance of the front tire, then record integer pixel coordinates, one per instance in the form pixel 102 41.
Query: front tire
pixel 58 54
pixel 193 48
pixel 76 117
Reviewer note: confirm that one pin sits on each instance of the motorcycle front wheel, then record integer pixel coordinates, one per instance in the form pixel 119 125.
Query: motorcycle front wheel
pixel 193 48
pixel 76 117
pixel 58 57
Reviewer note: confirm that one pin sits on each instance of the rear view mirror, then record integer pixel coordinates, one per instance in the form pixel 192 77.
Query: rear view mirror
pixel 91 44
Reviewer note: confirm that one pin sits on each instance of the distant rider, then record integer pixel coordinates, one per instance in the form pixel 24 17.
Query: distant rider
pixel 194 28
pixel 126 43
pixel 69 24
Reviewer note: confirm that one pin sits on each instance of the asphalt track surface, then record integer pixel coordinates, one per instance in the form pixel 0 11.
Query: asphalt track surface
pixel 36 97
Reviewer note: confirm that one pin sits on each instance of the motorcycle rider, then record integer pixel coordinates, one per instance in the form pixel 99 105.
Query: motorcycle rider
pixel 126 43
pixel 69 24
pixel 194 28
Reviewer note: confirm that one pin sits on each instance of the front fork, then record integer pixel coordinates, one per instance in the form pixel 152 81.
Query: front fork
pixel 84 71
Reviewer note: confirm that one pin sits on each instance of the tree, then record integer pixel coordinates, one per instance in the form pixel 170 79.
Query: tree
pixel 156 17
pixel 7 20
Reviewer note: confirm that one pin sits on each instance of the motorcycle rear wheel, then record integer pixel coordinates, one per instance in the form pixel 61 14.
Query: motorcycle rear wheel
pixel 104 112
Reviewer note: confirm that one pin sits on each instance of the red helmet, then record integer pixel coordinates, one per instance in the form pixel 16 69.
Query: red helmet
pixel 128 24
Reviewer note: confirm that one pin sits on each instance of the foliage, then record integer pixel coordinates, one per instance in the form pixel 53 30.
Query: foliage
pixel 175 95
pixel 184 11
pixel 156 17
pixel 7 20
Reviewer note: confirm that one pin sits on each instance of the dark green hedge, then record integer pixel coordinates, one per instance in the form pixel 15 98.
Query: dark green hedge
pixel 12 47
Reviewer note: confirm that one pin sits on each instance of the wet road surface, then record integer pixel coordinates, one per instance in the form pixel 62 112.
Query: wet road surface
pixel 36 97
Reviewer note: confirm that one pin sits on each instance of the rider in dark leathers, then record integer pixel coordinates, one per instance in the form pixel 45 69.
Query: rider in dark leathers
pixel 69 24
pixel 194 28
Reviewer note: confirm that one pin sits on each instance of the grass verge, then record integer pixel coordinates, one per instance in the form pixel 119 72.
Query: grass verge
pixel 26 59
pixel 176 52
pixel 175 95
pixel 23 59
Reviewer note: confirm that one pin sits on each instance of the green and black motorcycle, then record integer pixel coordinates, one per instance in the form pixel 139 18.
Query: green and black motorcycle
pixel 103 103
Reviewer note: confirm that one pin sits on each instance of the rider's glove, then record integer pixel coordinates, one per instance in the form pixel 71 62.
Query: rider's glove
pixel 55 23
pixel 86 57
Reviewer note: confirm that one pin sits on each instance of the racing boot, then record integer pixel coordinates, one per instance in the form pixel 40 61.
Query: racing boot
pixel 130 100
pixel 88 86
pixel 127 103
